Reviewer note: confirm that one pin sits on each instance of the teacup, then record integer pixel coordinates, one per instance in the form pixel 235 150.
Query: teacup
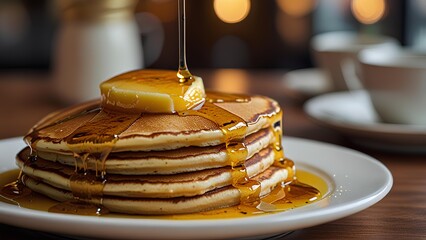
pixel 336 53
pixel 396 83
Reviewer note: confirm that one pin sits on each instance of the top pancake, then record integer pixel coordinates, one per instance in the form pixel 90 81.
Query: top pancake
pixel 148 132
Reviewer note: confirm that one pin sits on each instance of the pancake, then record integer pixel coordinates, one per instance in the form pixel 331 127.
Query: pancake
pixel 146 186
pixel 159 163
pixel 186 159
pixel 218 198
pixel 149 132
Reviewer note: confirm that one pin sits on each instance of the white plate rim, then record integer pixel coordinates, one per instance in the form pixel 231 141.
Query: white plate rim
pixel 336 205
pixel 310 107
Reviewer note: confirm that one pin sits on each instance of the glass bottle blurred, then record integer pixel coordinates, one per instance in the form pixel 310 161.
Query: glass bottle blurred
pixel 97 39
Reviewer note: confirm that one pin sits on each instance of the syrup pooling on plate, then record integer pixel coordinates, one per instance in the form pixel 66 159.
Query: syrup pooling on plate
pixel 16 188
pixel 293 198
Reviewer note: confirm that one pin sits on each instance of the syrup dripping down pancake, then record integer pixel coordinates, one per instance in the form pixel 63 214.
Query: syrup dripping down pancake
pixel 186 159
pixel 218 198
pixel 146 186
pixel 236 146
pixel 153 131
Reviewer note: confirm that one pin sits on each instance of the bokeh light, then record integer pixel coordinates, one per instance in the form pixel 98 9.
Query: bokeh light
pixel 293 31
pixel 296 8
pixel 368 11
pixel 231 11
pixel 231 81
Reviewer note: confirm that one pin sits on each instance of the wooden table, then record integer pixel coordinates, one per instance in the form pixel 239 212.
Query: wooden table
pixel 26 97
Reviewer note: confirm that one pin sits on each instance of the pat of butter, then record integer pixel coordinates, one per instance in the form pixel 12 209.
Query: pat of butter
pixel 152 91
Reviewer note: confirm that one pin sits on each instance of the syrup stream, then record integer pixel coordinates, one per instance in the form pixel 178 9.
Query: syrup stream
pixel 183 72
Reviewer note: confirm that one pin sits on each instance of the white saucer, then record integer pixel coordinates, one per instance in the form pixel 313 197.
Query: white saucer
pixel 355 181
pixel 352 114
pixel 303 84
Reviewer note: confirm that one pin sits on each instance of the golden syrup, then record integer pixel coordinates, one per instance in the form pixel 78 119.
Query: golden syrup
pixel 95 139
pixel 31 140
pixel 78 208
pixel 14 189
pixel 56 120
pixel 184 75
pixel 86 186
pixel 308 189
pixel 183 72
pixel 219 97
pixel 234 129
pixel 30 200
pixel 275 122
pixel 36 201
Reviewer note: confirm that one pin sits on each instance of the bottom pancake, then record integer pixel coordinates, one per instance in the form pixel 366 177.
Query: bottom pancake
pixel 218 198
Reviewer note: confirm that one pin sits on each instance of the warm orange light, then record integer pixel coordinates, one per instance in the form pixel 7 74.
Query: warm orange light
pixel 231 11
pixel 294 31
pixel 165 10
pixel 368 11
pixel 296 8
pixel 231 81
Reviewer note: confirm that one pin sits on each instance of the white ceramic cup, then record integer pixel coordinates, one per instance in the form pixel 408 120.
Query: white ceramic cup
pixel 396 83
pixel 336 53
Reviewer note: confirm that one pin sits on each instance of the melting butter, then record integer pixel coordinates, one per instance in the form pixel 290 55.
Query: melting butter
pixel 152 91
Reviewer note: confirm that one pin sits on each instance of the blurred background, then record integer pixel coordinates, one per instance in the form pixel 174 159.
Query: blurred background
pixel 220 33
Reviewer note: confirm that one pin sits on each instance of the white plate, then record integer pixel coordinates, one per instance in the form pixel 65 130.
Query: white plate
pixel 352 114
pixel 302 84
pixel 356 181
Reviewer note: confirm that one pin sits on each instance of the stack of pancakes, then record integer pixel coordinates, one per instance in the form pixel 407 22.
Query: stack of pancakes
pixel 156 164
